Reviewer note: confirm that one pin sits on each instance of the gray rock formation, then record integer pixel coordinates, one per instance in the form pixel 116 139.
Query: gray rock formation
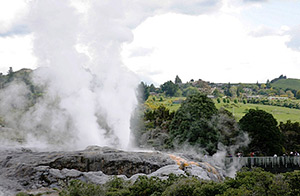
pixel 23 169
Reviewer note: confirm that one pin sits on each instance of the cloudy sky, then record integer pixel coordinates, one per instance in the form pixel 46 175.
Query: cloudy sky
pixel 213 40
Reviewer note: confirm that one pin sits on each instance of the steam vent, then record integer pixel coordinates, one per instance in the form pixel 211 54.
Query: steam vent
pixel 24 169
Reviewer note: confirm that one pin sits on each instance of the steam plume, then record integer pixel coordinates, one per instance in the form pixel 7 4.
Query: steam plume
pixel 88 95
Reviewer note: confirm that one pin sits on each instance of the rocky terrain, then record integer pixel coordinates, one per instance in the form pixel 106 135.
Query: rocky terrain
pixel 27 170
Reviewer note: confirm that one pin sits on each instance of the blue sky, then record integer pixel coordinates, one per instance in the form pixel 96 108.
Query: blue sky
pixel 217 41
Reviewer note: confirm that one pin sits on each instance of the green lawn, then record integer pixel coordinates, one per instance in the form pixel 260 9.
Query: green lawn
pixel 282 114
pixel 172 103
pixel 287 83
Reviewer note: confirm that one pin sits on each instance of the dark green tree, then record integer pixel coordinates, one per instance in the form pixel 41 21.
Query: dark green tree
pixel 217 93
pixel 266 137
pixel 298 94
pixel 10 74
pixel 143 92
pixel 189 91
pixel 191 123
pixel 178 80
pixel 152 88
pixel 227 91
pixel 291 132
pixel 225 123
pixel 169 88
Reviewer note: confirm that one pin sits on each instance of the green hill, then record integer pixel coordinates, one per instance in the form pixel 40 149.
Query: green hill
pixel 281 114
pixel 287 83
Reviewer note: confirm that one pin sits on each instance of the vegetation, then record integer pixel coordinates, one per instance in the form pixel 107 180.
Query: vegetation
pixel 291 132
pixel 281 114
pixel 287 84
pixel 191 123
pixel 266 138
pixel 246 182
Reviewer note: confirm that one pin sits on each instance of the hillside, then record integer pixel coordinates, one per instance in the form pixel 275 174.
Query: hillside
pixel 281 114
pixel 287 84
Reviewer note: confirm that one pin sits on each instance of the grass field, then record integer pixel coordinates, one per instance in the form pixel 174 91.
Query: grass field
pixel 281 114
pixel 287 83
pixel 172 103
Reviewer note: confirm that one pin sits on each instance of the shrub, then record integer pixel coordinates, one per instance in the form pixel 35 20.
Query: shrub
pixel 78 188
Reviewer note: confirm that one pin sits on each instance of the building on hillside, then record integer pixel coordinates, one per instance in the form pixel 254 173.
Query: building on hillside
pixel 277 98
pixel 253 97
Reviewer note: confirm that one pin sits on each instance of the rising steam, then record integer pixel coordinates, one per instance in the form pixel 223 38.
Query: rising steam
pixel 89 96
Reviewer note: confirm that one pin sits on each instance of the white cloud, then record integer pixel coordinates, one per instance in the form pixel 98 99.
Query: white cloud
pixel 12 15
pixel 16 52
pixel 294 42
pixel 217 48
pixel 141 52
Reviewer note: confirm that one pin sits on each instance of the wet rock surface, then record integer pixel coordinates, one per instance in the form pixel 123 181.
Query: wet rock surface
pixel 23 169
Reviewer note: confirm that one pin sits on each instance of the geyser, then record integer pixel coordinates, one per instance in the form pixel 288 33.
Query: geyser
pixel 92 93
pixel 88 95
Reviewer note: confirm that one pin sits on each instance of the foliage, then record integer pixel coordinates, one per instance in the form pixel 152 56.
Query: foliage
pixel 178 80
pixel 256 182
pixel 263 130
pixel 191 123
pixel 293 181
pixel 185 186
pixel 157 123
pixel 226 125
pixel 246 182
pixel 291 132
pixel 169 88
pixel 145 186
pixel 78 188
pixel 298 94
pixel 143 92
pixel 189 91
pixel 286 84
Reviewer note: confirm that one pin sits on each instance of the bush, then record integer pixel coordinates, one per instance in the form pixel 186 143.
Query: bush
pixel 145 186
pixel 78 188
pixel 183 187
pixel 293 180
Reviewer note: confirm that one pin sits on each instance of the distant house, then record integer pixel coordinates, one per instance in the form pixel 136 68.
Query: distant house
pixel 253 97
pixel 153 93
pixel 277 98
pixel 210 96
pixel 178 101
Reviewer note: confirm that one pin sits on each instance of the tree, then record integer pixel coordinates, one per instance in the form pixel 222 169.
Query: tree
pixel 191 123
pixel 227 90
pixel 290 94
pixel 178 80
pixel 217 93
pixel 143 92
pixel 152 88
pixel 266 137
pixel 226 125
pixel 298 94
pixel 169 88
pixel 10 74
pixel 291 132
pixel 189 91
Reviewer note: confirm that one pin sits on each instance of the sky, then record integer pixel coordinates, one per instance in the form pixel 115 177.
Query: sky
pixel 213 40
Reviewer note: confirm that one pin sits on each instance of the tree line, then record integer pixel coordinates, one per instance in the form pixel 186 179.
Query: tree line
pixel 200 124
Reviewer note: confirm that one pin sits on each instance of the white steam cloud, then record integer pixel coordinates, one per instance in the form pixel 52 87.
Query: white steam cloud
pixel 93 96
pixel 89 95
